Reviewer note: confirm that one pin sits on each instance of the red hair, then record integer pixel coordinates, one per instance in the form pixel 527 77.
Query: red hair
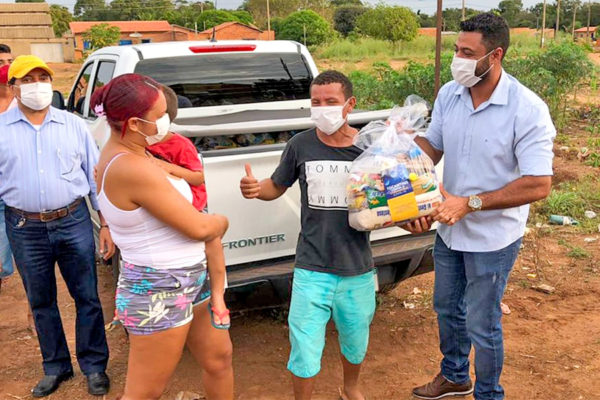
pixel 124 97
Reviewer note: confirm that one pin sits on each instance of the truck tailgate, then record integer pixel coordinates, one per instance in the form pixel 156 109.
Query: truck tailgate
pixel 258 230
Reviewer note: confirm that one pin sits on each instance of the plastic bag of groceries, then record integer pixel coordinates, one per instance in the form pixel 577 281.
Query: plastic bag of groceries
pixel 393 181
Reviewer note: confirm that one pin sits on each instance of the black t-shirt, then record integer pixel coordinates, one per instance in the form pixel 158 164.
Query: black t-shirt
pixel 326 243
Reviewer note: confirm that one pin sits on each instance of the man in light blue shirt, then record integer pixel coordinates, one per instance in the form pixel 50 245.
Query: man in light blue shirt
pixel 496 139
pixel 47 160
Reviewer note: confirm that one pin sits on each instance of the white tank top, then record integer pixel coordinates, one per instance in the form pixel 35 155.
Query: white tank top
pixel 147 241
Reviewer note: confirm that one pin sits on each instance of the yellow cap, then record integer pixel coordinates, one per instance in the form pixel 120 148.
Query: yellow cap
pixel 22 65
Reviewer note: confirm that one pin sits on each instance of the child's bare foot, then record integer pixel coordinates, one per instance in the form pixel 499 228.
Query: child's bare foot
pixel 219 311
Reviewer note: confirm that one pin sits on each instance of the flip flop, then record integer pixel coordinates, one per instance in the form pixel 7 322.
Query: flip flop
pixel 221 315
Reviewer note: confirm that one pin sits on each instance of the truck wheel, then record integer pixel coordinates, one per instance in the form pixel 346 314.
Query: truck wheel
pixel 388 287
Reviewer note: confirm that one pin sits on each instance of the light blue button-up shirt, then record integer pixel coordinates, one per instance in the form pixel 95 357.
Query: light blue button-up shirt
pixel 46 167
pixel 505 138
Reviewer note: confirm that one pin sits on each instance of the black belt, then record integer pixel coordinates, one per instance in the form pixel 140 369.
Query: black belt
pixel 48 216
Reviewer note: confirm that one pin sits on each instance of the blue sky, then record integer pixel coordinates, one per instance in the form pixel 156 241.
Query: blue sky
pixel 426 6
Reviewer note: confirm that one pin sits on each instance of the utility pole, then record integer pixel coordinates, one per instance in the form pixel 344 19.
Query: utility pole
pixel 575 5
pixel 269 21
pixel 557 19
pixel 588 37
pixel 304 28
pixel 543 24
pixel 438 47
pixel 463 10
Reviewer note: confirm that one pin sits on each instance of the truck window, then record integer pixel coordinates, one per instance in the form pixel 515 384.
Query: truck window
pixel 77 97
pixel 104 74
pixel 224 79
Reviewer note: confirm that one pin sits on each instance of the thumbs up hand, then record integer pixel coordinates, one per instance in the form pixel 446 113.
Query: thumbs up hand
pixel 249 185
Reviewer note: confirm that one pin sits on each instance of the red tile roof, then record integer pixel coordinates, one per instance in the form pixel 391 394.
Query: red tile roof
pixel 228 24
pixel 124 26
pixel 584 29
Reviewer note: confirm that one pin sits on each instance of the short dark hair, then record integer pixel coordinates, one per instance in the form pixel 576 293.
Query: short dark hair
pixel 171 98
pixel 331 76
pixel 12 81
pixel 493 29
pixel 4 48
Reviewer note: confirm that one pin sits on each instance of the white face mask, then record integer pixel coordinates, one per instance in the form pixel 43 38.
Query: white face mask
pixel 162 128
pixel 463 70
pixel 328 118
pixel 36 96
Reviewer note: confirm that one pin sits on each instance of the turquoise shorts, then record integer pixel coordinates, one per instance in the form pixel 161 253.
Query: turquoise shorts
pixel 317 297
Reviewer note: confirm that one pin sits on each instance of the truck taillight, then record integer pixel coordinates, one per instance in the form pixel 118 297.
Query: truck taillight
pixel 220 48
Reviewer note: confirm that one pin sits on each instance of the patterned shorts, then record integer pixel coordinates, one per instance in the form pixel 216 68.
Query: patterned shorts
pixel 151 300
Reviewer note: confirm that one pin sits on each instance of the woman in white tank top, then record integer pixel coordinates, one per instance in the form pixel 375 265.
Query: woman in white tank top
pixel 161 237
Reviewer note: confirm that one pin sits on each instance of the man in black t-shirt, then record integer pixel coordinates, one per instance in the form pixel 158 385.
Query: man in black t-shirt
pixel 334 276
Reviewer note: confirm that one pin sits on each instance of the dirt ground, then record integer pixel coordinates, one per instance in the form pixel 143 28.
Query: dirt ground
pixel 552 341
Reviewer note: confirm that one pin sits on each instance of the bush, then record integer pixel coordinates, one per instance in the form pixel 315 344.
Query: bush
pixel 554 74
pixel 385 87
pixel 344 18
pixel 355 48
pixel 296 24
pixel 389 23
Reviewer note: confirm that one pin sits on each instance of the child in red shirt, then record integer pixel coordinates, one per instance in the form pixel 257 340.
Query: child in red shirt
pixel 178 156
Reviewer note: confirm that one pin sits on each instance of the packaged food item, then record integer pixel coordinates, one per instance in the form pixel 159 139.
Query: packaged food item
pixel 393 181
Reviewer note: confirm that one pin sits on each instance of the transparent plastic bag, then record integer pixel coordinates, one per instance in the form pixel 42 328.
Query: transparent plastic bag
pixel 393 181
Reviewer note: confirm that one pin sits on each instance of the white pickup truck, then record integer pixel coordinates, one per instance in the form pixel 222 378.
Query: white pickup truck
pixel 239 102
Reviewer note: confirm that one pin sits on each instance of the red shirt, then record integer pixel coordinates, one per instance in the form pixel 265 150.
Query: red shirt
pixel 180 150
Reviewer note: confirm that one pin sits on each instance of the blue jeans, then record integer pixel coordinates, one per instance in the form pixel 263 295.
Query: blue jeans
pixel 68 241
pixel 467 295
pixel 6 268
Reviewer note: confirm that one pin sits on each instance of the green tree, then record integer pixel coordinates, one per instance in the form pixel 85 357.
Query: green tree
pixel 283 8
pixel 426 21
pixel 511 10
pixel 155 9
pixel 276 24
pixel 344 18
pixel 60 19
pixel 243 16
pixel 91 10
pixel 305 26
pixel 126 10
pixel 389 23
pixel 211 18
pixel 451 18
pixel 187 15
pixel 339 3
pixel 102 35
